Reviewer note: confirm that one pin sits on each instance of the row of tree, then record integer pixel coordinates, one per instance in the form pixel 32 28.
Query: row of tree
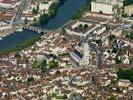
pixel 128 2
pixel 125 74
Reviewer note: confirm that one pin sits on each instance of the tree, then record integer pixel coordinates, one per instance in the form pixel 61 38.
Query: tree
pixel 128 2
pixel 131 60
pixel 130 35
pixel 100 12
pixel 80 26
pixel 53 64
pixel 43 18
pixel 53 9
pixel 34 22
pixel 85 26
pixel 112 37
pixel 43 66
pixel 25 20
pixel 112 98
pixel 37 7
pixel 34 11
pixel 117 60
pixel 82 10
pixel 30 79
pixel 35 64
pixel 125 74
pixel 124 15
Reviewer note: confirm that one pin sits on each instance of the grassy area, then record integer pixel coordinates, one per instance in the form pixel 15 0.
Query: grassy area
pixel 21 45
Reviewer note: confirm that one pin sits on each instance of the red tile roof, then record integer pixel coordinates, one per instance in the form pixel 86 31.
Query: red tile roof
pixel 8 1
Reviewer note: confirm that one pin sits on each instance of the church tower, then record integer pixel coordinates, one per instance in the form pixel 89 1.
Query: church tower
pixel 86 55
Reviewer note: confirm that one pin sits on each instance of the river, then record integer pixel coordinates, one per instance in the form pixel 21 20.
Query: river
pixel 63 15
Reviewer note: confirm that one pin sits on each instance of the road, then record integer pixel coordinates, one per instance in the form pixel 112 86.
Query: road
pixel 17 17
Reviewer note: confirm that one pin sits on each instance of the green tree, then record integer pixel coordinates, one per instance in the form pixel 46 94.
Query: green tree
pixel 35 64
pixel 130 35
pixel 30 79
pixel 80 26
pixel 125 74
pixel 43 18
pixel 53 64
pixel 34 11
pixel 117 60
pixel 85 26
pixel 43 66
pixel 128 2
pixel 112 98
pixel 81 11
pixel 25 20
pixel 112 37
pixel 124 15
pixel 37 7
pixel 53 9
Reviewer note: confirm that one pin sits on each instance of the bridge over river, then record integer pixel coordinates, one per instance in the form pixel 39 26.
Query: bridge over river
pixel 35 29
pixel 65 12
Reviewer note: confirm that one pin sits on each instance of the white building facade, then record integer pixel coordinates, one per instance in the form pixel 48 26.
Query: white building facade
pixel 101 7
pixel 128 10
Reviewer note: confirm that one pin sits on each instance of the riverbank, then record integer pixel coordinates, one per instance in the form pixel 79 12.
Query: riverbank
pixel 21 46
pixel 82 10
pixel 9 30
pixel 64 14
pixel 45 17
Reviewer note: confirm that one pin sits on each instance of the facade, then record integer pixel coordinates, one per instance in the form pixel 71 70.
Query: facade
pixel 86 57
pixel 99 7
pixel 76 57
pixel 106 6
pixel 124 83
pixel 120 3
pixel 81 59
pixel 45 6
pixel 128 10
